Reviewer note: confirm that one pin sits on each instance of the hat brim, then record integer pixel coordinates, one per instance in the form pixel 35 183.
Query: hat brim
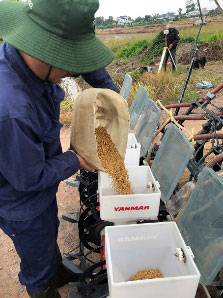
pixel 79 56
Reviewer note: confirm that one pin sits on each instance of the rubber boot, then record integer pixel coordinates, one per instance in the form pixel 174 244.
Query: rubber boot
pixel 49 292
pixel 63 275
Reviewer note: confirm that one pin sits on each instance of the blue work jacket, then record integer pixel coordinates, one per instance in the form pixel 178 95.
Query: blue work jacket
pixel 31 160
pixel 100 79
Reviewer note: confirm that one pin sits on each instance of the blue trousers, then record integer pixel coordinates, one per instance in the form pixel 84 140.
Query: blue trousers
pixel 35 242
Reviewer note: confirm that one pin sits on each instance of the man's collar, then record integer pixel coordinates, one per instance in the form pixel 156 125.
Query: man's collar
pixel 37 85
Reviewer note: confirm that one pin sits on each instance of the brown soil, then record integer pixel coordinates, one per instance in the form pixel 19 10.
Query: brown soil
pixel 212 52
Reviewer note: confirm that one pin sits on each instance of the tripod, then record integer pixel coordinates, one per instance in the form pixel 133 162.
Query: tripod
pixel 165 51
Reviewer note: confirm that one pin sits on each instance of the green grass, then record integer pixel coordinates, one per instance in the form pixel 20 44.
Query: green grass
pixel 168 86
pixel 209 33
pixel 132 50
pixel 66 105
pixel 66 108
pixel 116 45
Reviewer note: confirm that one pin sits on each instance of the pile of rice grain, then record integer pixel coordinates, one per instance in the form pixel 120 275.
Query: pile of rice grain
pixel 147 274
pixel 112 162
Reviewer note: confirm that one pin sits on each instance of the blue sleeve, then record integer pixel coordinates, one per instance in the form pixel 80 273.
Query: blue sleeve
pixel 22 158
pixel 100 79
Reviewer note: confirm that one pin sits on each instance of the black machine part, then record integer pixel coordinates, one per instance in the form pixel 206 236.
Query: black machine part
pixel 194 54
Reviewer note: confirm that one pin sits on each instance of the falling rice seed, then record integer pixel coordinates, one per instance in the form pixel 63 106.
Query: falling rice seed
pixel 112 162
pixel 147 274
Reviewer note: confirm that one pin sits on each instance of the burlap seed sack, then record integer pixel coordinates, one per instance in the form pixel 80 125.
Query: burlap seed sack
pixel 94 108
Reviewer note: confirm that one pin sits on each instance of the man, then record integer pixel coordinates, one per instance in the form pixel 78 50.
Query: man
pixel 171 40
pixel 44 42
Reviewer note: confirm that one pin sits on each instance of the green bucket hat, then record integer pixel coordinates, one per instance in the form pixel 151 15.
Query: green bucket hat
pixel 57 32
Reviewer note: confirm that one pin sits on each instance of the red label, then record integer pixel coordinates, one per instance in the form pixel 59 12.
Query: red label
pixel 132 208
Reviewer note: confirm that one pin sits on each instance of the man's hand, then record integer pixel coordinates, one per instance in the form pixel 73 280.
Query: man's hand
pixel 171 46
pixel 83 164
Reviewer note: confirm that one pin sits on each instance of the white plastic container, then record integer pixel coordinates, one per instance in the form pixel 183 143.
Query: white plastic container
pixel 132 155
pixel 143 204
pixel 133 248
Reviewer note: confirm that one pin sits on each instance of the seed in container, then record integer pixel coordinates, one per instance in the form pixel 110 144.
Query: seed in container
pixel 146 274
pixel 112 162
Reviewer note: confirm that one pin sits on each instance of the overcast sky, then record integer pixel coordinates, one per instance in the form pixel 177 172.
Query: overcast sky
pixel 135 8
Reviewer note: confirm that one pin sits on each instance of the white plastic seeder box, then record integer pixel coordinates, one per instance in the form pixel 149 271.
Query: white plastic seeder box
pixel 130 249
pixel 143 204
pixel 132 156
